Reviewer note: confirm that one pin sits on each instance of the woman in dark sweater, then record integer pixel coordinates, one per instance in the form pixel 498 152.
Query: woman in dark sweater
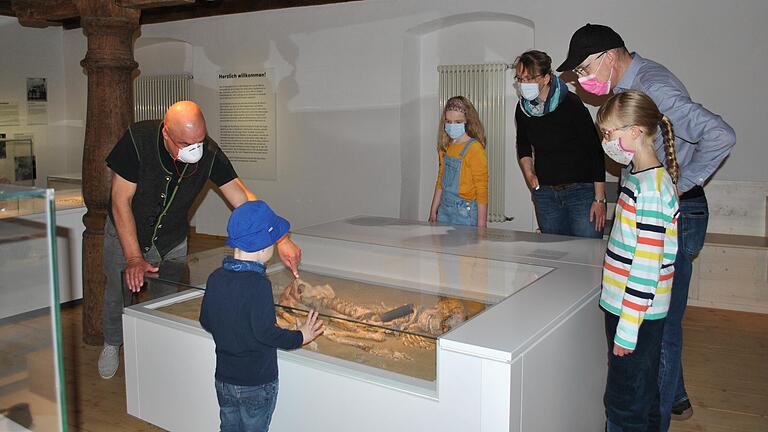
pixel 559 151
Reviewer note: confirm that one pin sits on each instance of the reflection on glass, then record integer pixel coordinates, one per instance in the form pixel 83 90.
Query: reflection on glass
pixel 31 385
pixel 69 190
pixel 383 306
pixel 381 326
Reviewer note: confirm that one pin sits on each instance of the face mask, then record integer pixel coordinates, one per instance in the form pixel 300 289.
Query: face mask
pixel 191 153
pixel 528 91
pixel 616 151
pixel 591 84
pixel 454 130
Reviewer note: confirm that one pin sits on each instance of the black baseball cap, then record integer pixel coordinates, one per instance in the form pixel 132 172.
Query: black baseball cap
pixel 590 39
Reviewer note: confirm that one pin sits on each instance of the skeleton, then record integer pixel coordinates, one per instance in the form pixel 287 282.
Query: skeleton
pixel 355 334
pixel 288 321
pixel 435 321
pixel 319 296
pixel 417 341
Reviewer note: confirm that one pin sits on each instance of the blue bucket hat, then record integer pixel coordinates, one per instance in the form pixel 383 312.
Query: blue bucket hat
pixel 254 226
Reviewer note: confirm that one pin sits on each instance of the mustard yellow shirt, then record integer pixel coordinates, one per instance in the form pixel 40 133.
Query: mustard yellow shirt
pixel 473 180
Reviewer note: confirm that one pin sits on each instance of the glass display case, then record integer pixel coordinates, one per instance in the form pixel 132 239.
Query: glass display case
pixel 69 190
pixel 17 161
pixel 391 324
pixel 31 375
pixel 428 327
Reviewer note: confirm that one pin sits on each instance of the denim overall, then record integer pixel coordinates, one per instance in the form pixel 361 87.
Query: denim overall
pixel 453 209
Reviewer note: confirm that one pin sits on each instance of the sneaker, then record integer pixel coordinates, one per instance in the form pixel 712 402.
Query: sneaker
pixel 109 360
pixel 682 410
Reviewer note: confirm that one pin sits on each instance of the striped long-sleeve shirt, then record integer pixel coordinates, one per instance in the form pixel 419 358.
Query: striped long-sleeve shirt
pixel 639 262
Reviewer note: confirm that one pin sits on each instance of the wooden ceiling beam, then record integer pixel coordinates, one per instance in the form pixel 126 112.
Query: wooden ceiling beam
pixel 145 4
pixel 207 8
pixel 6 9
pixel 43 13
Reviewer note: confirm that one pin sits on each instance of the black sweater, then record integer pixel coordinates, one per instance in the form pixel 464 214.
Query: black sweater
pixel 564 144
pixel 238 310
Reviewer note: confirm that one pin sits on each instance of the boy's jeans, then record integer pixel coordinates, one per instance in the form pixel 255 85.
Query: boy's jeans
pixel 246 408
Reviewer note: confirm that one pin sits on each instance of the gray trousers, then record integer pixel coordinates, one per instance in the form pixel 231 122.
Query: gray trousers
pixel 114 263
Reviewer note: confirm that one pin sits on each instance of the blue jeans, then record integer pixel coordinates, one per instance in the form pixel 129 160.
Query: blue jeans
pixel 565 209
pixel 454 210
pixel 631 393
pixel 691 231
pixel 246 408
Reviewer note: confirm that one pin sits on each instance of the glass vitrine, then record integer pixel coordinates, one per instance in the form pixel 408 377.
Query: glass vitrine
pixel 390 318
pixel 17 161
pixel 68 189
pixel 31 376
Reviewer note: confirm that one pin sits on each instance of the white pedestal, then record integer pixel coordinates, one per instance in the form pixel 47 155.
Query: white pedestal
pixel 20 263
pixel 533 362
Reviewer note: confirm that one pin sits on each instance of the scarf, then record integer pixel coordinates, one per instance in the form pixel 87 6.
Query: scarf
pixel 558 90
pixel 234 264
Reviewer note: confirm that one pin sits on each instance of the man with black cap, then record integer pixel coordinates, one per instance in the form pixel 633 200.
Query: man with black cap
pixel 597 54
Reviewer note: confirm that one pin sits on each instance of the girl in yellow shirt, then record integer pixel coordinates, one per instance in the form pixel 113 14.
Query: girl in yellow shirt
pixel 461 190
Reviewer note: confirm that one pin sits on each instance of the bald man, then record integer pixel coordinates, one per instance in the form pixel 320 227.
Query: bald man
pixel 158 170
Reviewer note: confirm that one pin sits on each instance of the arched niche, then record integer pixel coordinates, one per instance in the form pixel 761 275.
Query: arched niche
pixel 163 56
pixel 468 38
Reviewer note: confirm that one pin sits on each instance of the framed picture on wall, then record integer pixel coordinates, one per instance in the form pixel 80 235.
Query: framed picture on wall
pixel 25 168
pixel 37 90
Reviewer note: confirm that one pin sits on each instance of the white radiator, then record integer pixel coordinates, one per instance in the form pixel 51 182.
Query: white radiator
pixel 152 95
pixel 485 86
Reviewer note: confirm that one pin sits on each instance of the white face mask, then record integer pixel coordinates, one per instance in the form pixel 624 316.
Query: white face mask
pixel 528 91
pixel 616 151
pixel 191 153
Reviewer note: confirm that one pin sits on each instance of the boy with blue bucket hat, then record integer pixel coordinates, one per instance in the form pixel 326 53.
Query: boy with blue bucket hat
pixel 238 310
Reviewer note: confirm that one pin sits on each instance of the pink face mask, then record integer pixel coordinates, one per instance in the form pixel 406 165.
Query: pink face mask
pixel 615 150
pixel 591 84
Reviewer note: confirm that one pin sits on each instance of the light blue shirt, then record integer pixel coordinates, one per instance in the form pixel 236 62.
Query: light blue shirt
pixel 702 139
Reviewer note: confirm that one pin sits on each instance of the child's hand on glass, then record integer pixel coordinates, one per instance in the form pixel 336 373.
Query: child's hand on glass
pixel 311 328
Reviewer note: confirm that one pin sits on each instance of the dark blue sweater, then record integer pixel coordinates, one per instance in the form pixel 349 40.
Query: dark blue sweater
pixel 238 310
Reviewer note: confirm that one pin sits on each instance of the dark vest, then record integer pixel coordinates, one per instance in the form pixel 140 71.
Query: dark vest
pixel 162 199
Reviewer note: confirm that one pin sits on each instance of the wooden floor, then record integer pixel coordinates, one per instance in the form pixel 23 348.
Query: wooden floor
pixel 725 357
pixel 95 404
pixel 726 366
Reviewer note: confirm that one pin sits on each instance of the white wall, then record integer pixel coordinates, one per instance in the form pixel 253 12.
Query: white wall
pixel 58 145
pixel 349 107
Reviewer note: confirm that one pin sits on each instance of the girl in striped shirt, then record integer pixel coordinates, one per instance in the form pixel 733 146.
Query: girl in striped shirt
pixel 638 267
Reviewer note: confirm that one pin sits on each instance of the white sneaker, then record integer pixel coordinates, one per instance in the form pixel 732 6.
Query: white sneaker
pixel 109 360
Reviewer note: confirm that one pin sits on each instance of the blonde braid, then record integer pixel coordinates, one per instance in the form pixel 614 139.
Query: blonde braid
pixel 668 134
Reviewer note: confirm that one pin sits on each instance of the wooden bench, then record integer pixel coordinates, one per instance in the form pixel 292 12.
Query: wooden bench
pixel 731 272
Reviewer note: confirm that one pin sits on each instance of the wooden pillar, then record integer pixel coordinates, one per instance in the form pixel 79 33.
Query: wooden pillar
pixel 109 64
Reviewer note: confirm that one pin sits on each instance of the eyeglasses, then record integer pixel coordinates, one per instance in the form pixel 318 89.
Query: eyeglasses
pixel 178 143
pixel 526 79
pixel 608 132
pixel 583 70
pixel 182 144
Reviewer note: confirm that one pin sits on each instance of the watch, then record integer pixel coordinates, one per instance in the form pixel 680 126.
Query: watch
pixel 601 200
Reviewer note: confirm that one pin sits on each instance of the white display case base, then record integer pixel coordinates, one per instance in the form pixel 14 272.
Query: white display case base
pixel 535 361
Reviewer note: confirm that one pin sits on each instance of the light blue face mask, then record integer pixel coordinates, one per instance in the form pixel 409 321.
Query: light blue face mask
pixel 455 130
